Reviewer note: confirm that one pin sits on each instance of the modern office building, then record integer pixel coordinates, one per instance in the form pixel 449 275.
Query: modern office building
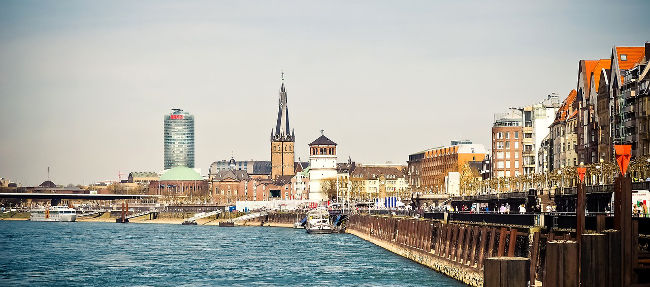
pixel 428 169
pixel 179 139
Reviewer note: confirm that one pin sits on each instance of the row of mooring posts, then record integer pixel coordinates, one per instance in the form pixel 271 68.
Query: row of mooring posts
pixel 465 245
pixel 602 259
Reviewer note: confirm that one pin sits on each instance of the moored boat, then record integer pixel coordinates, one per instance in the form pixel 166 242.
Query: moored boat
pixel 53 213
pixel 318 221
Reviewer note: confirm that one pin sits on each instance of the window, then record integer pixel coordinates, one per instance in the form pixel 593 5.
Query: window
pixel 507 155
pixel 623 57
pixel 507 135
pixel 500 155
pixel 516 154
pixel 507 173
pixel 507 164
pixel 516 164
pixel 516 135
pixel 499 135
pixel 499 164
pixel 499 145
pixel 516 145
pixel 507 145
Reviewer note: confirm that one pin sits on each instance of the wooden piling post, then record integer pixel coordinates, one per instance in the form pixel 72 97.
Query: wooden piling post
pixel 460 245
pixel 533 257
pixel 502 242
pixel 513 242
pixel 481 253
pixel 594 264
pixel 600 223
pixel 450 232
pixel 506 272
pixel 561 265
pixel 430 230
pixel 445 242
pixel 472 256
pixel 454 242
pixel 623 222
pixel 493 235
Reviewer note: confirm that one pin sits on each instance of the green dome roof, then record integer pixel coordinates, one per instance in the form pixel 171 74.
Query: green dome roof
pixel 181 173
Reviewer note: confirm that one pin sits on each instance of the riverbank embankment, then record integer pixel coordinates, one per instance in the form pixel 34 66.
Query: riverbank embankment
pixel 414 239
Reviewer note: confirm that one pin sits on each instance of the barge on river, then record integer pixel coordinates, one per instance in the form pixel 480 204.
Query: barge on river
pixel 54 213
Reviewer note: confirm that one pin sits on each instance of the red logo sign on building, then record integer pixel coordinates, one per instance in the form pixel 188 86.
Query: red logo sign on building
pixel 176 117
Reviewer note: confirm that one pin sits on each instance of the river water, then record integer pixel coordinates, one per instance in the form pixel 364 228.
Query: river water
pixel 110 254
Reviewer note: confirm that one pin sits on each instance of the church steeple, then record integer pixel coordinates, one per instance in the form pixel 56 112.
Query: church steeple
pixel 282 129
pixel 282 140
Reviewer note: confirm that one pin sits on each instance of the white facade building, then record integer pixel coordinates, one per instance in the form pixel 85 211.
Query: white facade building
pixel 322 166
pixel 544 115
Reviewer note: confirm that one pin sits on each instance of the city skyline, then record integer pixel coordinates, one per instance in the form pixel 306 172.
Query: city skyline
pixel 83 85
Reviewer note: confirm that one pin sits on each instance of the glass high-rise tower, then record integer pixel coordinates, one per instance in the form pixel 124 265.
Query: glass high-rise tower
pixel 179 139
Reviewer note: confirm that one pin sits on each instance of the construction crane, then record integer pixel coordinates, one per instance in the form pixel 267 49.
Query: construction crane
pixel 119 175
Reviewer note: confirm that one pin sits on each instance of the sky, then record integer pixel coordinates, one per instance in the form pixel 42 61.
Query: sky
pixel 84 85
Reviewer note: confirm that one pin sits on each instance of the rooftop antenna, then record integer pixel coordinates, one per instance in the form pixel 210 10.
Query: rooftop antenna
pixel 283 76
pixel 48 173
pixel 321 132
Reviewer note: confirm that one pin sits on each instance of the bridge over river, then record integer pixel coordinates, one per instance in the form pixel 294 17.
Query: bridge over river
pixel 57 197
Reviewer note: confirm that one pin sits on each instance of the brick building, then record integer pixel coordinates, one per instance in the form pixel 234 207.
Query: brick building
pixel 507 147
pixel 427 169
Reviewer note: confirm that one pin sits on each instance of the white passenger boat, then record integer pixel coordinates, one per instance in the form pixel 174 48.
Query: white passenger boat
pixel 53 213
pixel 318 221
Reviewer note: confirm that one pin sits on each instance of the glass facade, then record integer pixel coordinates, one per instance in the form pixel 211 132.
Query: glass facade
pixel 179 139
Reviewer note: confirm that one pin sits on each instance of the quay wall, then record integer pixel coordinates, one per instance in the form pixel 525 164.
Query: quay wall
pixel 461 273
pixel 456 249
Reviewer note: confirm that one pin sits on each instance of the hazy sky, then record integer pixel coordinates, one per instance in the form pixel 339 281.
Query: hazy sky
pixel 84 85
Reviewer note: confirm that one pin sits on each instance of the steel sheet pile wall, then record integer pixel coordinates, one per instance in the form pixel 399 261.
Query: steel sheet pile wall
pixel 456 244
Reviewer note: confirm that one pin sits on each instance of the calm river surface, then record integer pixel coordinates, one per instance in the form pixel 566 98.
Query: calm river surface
pixel 110 254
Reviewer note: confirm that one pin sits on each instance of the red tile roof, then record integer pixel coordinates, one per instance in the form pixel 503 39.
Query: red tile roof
pixel 563 113
pixel 633 55
pixel 602 64
pixel 589 66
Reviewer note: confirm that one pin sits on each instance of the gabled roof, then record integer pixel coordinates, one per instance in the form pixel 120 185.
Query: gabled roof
pixel 602 64
pixel 633 55
pixel 282 180
pixel 322 140
pixel 586 73
pixel 236 175
pixel 563 113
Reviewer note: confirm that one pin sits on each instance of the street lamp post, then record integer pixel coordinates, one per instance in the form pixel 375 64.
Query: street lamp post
pixel 559 172
pixel 546 177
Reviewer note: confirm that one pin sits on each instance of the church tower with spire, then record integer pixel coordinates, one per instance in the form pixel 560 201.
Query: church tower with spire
pixel 282 142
